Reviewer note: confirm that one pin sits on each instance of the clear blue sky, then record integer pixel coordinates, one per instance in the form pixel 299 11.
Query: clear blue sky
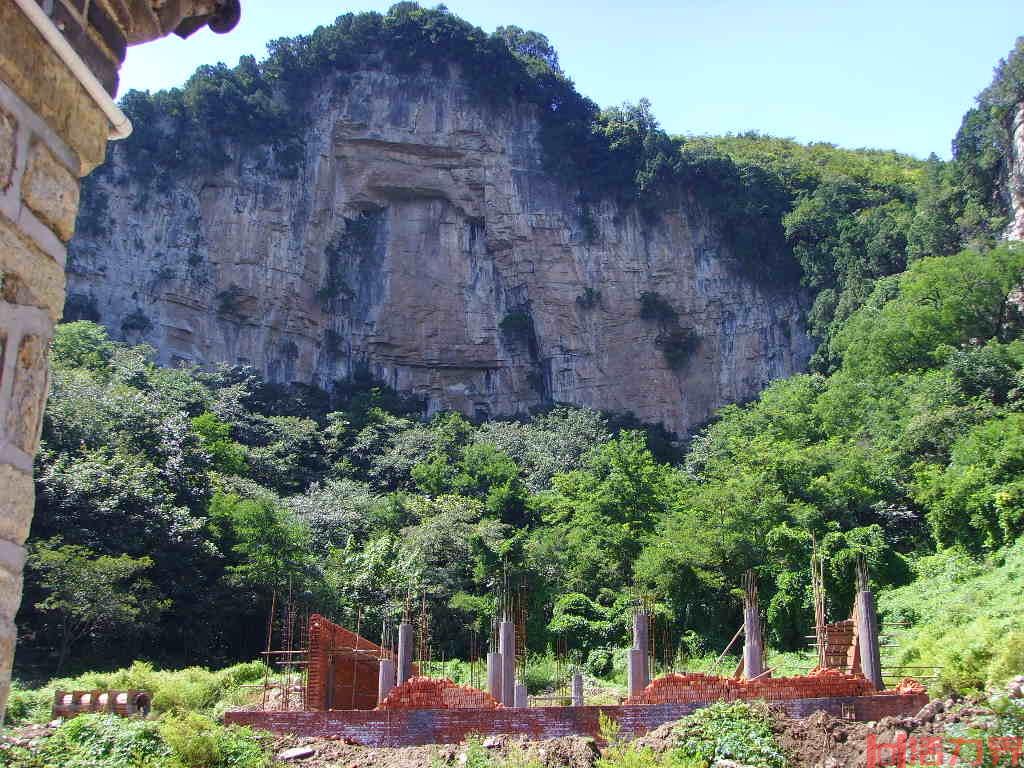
pixel 897 74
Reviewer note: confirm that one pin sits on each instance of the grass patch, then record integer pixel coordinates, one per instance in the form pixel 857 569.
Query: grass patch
pixel 964 617
pixel 193 689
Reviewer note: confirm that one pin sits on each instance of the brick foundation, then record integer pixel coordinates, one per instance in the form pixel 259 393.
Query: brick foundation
pixel 410 727
pixel 698 688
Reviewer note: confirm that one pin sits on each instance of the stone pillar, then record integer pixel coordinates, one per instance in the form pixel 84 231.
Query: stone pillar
pixel 641 635
pixel 577 689
pixel 404 652
pixel 507 649
pixel 521 698
pixel 494 669
pixel 635 671
pixel 385 679
pixel 752 648
pixel 867 638
pixel 59 63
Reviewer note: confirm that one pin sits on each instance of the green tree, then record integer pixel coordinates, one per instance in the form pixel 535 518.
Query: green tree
pixel 91 595
pixel 227 455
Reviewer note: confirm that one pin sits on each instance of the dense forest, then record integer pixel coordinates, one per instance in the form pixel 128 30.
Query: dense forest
pixel 172 504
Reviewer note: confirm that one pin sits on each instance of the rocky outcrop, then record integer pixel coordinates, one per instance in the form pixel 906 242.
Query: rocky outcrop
pixel 423 241
pixel 1016 180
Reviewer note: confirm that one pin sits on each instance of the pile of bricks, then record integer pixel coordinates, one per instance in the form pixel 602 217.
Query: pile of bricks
pixel 840 638
pixel 698 688
pixel 437 693
pixel 908 686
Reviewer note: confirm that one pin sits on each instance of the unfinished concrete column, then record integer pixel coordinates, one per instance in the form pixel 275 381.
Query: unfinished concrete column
pixel 867 630
pixel 520 697
pixel 635 671
pixel 753 648
pixel 494 674
pixel 507 649
pixel 577 689
pixel 641 635
pixel 404 652
pixel 385 679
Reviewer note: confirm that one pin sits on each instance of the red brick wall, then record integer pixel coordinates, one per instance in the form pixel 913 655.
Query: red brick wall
pixel 408 727
pixel 685 688
pixel 349 661
pixel 437 693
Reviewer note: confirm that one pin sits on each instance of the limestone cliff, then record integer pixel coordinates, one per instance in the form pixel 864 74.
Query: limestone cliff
pixel 1016 180
pixel 423 240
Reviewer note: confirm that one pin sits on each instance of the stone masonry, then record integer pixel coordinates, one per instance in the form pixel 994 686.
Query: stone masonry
pixel 59 61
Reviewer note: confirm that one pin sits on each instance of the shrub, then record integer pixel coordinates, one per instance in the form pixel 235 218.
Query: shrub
pixel 541 673
pixel 1010 660
pixel 599 662
pixel 228 302
pixel 728 730
pixel 27 706
pixel 655 307
pixel 136 321
pixel 589 299
pixel 678 346
pixel 105 741
pixel 196 741
pixel 517 325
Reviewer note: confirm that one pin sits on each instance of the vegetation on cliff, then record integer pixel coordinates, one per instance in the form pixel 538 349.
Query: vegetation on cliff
pixel 187 497
pixel 836 219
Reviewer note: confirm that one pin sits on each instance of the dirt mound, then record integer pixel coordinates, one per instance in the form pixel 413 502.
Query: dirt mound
pixel 824 741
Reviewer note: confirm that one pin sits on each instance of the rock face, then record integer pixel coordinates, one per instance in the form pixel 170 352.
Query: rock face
pixel 1016 228
pixel 423 241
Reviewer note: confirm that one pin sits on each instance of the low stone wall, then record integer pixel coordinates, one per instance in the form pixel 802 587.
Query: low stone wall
pixel 412 727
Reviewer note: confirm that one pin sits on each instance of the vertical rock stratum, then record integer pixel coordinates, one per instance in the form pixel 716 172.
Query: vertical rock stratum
pixel 1016 229
pixel 422 241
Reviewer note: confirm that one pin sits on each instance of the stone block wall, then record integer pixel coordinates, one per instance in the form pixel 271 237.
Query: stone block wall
pixel 59 61
pixel 39 172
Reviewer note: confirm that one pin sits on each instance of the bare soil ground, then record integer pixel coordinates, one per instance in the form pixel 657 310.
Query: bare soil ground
pixel 569 752
pixel 818 741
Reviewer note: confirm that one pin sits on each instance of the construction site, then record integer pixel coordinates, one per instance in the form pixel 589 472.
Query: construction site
pixel 330 682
